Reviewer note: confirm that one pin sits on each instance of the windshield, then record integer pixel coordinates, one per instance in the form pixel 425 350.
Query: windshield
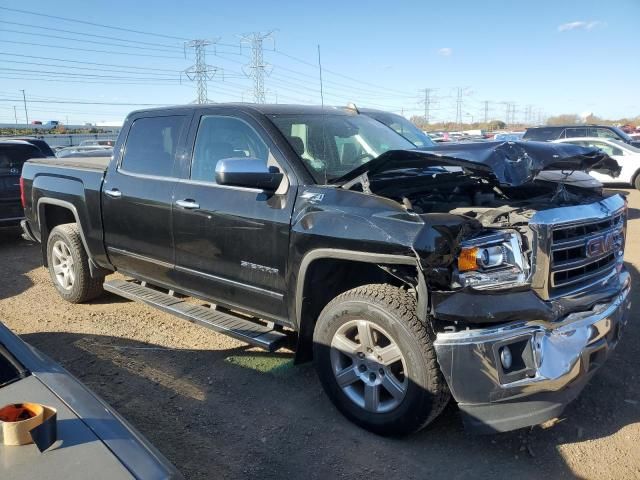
pixel 403 127
pixel 622 134
pixel 332 145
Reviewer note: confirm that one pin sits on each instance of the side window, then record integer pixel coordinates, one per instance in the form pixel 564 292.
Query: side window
pixel 606 133
pixel 220 138
pixel 151 145
pixel 606 148
pixel 575 132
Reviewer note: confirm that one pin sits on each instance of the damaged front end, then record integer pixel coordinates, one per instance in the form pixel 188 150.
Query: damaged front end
pixel 522 253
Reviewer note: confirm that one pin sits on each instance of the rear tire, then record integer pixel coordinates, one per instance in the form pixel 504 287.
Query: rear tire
pixel 636 181
pixel 389 384
pixel 69 265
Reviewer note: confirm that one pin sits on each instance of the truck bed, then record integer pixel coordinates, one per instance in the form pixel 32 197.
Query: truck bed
pixel 91 163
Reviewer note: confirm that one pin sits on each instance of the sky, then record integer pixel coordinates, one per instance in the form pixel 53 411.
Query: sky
pixel 545 57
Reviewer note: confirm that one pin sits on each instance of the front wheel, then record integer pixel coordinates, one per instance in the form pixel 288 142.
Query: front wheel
pixel 376 360
pixel 69 265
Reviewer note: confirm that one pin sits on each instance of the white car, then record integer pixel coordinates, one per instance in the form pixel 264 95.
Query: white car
pixel 627 156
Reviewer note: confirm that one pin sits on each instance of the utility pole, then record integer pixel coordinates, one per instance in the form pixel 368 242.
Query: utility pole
pixel 486 111
pixel 257 67
pixel 200 72
pixel 15 115
pixel 24 99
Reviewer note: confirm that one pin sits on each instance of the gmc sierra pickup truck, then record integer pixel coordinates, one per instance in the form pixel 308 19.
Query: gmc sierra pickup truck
pixel 492 273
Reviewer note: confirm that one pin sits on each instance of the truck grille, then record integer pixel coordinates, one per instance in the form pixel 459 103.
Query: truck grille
pixel 578 246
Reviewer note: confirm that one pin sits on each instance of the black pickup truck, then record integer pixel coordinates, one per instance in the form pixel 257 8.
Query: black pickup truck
pixel 490 272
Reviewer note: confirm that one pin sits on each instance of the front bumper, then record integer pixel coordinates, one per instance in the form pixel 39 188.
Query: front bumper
pixel 551 363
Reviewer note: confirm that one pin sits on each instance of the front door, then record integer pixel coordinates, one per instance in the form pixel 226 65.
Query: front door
pixel 137 198
pixel 231 243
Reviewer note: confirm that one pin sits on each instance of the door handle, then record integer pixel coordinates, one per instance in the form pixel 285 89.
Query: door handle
pixel 113 193
pixel 187 204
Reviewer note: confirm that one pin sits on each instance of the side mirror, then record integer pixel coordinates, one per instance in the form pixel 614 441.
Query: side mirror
pixel 248 172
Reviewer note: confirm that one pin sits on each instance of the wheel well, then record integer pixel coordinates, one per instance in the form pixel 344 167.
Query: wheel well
pixel 633 178
pixel 50 217
pixel 326 278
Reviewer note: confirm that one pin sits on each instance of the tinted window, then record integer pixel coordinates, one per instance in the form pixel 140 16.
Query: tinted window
pixel 542 134
pixel 12 157
pixel 403 127
pixel 605 133
pixel 220 138
pixel 575 132
pixel 151 145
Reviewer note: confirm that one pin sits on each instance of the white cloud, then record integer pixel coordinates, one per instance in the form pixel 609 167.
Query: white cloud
pixel 445 52
pixel 580 25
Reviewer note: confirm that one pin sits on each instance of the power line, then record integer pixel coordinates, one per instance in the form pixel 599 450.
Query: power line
pixel 140 32
pixel 93 35
pixel 95 42
pixel 87 63
pixel 111 52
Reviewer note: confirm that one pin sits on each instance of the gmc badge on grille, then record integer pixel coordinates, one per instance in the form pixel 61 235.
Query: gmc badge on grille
pixel 598 246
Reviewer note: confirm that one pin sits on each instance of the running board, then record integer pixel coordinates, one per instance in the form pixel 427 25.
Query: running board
pixel 243 329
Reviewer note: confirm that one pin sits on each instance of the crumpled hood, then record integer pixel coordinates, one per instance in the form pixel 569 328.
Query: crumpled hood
pixel 510 163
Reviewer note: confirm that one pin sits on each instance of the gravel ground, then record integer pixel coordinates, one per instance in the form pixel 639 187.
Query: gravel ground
pixel 218 409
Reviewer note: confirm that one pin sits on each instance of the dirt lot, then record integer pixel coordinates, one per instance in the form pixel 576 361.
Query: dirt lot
pixel 218 409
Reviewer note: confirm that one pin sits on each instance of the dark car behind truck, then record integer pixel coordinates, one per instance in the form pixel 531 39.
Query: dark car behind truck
pixel 497 282
pixel 555 132
pixel 13 154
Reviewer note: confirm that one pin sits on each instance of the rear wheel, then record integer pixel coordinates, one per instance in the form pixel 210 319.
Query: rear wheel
pixel 69 265
pixel 376 360
pixel 636 182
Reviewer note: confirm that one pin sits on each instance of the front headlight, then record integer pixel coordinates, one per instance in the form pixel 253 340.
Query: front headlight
pixel 491 261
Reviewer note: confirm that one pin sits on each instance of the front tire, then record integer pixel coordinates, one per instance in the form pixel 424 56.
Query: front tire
pixel 376 360
pixel 69 265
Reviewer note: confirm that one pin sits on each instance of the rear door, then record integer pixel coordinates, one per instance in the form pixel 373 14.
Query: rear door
pixel 137 195
pixel 232 242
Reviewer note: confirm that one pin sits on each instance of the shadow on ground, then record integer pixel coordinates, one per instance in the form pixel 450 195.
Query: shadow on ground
pixel 25 256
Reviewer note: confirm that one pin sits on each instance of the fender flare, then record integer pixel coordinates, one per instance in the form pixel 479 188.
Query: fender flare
pixel 93 267
pixel 364 257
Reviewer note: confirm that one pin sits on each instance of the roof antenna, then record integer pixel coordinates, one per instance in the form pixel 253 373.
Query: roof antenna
pixel 320 67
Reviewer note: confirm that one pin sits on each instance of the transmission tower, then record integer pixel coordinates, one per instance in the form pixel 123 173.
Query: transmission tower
pixel 200 72
pixel 257 68
pixel 486 111
pixel 459 107
pixel 428 100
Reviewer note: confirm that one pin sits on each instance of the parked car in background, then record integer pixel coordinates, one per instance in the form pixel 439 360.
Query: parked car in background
pixel 36 122
pixel 627 156
pixel 65 152
pixel 102 143
pixel 102 152
pixel 52 124
pixel 41 144
pixel 400 125
pixel 550 133
pixel 404 281
pixel 94 440
pixel 508 136
pixel 13 154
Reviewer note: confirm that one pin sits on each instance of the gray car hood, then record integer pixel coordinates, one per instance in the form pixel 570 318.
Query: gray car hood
pixel 508 163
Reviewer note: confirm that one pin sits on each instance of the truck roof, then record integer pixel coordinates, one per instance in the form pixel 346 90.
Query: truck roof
pixel 264 108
